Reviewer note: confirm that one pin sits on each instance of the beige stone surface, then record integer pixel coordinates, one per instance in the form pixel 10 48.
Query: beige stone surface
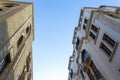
pixel 15 18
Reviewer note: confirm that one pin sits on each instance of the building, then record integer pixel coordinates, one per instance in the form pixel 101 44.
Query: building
pixel 4 0
pixel 96 45
pixel 16 37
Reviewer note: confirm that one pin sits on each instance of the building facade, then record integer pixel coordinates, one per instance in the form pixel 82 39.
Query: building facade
pixel 16 37
pixel 96 49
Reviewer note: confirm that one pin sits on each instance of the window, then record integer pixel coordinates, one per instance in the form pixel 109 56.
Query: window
pixel 85 21
pixel 92 65
pixel 109 40
pixel 28 63
pixel 80 19
pixel 9 5
pixel 84 27
pixel 85 24
pixel 94 28
pixel 90 75
pixel 28 29
pixel 108 45
pixel 94 31
pixel 4 62
pixel 96 73
pixel 1 9
pixel 92 35
pixel 19 42
pixel 105 49
pixel 77 43
pixel 85 55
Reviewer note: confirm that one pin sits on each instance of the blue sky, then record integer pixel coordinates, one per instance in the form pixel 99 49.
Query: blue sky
pixel 54 24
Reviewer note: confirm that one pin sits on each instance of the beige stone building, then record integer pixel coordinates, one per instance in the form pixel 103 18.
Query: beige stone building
pixel 5 0
pixel 16 37
pixel 96 49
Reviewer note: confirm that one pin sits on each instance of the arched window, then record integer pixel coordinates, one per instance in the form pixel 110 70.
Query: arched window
pixel 9 5
pixel 20 40
pixel 28 30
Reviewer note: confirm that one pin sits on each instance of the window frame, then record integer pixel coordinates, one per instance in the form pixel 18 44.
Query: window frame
pixel 112 48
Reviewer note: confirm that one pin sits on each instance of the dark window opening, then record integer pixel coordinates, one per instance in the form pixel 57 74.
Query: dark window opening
pixel 9 6
pixel 85 20
pixel 28 63
pixel 109 40
pixel 1 9
pixel 4 62
pixel 104 48
pixel 96 72
pixel 90 75
pixel 93 67
pixel 27 30
pixel 77 43
pixel 92 35
pixel 84 27
pixel 19 42
pixel 94 28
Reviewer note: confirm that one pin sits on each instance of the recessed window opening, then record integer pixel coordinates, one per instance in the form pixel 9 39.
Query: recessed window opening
pixel 96 72
pixel 19 42
pixel 28 63
pixel 85 20
pixel 109 40
pixel 93 67
pixel 27 29
pixel 85 55
pixel 4 62
pixel 94 28
pixel 9 5
pixel 104 48
pixel 92 35
pixel 90 75
pixel 84 27
pixel 119 70
pixel 1 9
pixel 77 43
